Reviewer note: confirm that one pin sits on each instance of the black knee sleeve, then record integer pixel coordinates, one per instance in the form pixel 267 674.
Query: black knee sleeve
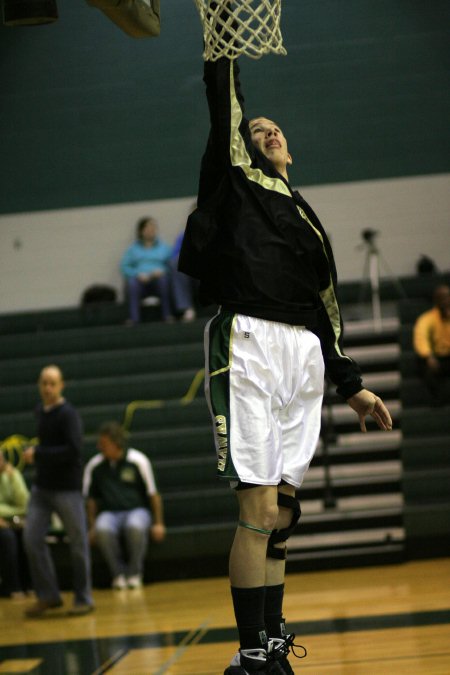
pixel 278 536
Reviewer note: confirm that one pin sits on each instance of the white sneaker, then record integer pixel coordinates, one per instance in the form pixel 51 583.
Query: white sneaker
pixel 188 315
pixel 119 583
pixel 151 301
pixel 134 581
pixel 254 659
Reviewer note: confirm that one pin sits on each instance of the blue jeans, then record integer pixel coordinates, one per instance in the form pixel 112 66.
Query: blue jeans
pixel 69 506
pixel 136 290
pixel 182 287
pixel 134 526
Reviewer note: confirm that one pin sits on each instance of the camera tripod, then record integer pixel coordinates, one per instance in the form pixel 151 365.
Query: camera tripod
pixel 371 272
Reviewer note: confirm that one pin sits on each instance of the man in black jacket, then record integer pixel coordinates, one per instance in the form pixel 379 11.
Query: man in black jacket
pixel 261 253
pixel 57 489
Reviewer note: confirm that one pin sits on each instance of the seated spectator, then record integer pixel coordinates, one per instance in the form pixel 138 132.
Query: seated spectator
pixel 123 504
pixel 145 268
pixel 431 341
pixel 182 286
pixel 14 497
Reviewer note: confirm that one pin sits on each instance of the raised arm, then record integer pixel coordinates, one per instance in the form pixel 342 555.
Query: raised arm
pixel 226 113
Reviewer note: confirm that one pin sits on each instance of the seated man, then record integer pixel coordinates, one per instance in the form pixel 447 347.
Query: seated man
pixel 431 341
pixel 14 495
pixel 145 268
pixel 122 501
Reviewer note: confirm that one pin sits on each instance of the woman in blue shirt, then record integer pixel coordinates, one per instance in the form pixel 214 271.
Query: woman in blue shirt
pixel 144 265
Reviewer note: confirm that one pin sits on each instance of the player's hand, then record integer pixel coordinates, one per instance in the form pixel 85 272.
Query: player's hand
pixel 365 403
pixel 158 532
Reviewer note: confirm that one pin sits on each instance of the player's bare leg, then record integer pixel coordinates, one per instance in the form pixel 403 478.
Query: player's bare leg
pixel 258 513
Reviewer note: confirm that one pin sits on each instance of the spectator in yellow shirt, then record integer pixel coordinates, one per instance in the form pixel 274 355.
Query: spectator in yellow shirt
pixel 431 341
pixel 14 577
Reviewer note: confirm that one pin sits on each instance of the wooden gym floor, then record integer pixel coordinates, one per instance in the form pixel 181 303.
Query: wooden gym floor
pixel 385 620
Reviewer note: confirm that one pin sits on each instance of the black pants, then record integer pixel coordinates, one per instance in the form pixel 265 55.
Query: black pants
pixel 437 383
pixel 14 572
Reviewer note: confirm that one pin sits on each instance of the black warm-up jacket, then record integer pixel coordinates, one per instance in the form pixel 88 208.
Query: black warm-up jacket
pixel 256 245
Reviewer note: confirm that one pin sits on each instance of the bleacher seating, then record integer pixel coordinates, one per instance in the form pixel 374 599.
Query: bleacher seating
pixel 352 498
pixel 425 449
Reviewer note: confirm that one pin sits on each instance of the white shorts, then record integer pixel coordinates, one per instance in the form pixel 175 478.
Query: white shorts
pixel 264 386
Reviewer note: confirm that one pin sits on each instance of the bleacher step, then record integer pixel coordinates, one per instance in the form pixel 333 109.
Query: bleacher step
pixel 382 503
pixel 341 413
pixel 366 555
pixel 300 543
pixel 102 363
pixel 365 328
pixel 369 355
pixel 350 472
pixel 369 440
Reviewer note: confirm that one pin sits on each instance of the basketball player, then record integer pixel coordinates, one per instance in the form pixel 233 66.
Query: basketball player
pixel 261 253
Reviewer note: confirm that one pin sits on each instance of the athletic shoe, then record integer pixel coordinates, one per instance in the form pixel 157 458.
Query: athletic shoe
pixel 17 595
pixel 188 315
pixel 249 661
pixel 134 581
pixel 279 651
pixel 40 607
pixel 80 609
pixel 119 583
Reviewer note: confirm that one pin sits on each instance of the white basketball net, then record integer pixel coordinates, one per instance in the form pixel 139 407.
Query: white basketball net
pixel 235 27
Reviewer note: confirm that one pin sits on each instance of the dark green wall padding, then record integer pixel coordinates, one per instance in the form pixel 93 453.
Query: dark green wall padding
pixel 91 116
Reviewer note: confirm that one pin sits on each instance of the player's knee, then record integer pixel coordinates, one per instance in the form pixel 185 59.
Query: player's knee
pixel 269 516
pixel 259 507
pixel 266 515
pixel 276 547
pixel 262 520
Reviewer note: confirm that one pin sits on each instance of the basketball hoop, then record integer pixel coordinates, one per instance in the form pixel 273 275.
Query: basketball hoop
pixel 235 27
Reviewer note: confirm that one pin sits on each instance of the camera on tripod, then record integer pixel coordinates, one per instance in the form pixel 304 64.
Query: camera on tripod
pixel 372 273
pixel 369 235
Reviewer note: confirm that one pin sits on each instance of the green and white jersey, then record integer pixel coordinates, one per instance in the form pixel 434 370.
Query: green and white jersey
pixel 120 486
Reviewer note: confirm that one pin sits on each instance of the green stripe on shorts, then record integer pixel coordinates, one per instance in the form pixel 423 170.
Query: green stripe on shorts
pixel 220 354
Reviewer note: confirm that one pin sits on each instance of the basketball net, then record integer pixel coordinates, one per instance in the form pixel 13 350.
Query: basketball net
pixel 235 27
